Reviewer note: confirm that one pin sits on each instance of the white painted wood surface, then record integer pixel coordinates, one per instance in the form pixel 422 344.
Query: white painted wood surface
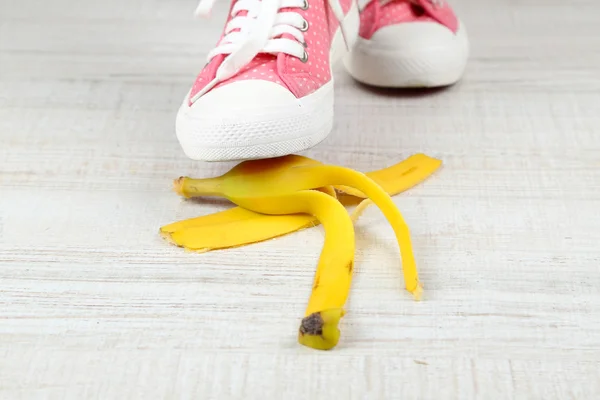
pixel 94 305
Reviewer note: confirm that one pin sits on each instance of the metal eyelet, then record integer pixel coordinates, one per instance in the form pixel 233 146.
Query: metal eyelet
pixel 304 26
pixel 305 5
pixel 304 57
pixel 305 44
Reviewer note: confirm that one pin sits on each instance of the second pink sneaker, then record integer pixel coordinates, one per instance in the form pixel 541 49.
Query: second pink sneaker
pixel 267 87
pixel 408 43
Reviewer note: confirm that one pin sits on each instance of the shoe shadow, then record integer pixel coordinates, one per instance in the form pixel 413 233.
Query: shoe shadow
pixel 404 92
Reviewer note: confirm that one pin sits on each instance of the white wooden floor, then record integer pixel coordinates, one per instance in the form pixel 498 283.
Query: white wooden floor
pixel 94 305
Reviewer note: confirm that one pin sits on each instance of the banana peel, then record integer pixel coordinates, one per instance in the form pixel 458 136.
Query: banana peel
pixel 278 196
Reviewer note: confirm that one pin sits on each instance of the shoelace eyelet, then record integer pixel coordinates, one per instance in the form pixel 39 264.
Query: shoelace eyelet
pixel 304 57
pixel 304 26
pixel 305 5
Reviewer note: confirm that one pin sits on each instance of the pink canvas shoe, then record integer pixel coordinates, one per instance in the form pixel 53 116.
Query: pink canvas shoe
pixel 408 43
pixel 267 87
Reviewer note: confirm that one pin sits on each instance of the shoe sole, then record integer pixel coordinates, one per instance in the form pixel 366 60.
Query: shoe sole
pixel 276 131
pixel 409 66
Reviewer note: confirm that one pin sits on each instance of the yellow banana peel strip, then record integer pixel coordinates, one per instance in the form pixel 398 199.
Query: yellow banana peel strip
pixel 203 237
pixel 401 176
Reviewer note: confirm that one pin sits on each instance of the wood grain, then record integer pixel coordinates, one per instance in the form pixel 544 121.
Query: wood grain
pixel 94 305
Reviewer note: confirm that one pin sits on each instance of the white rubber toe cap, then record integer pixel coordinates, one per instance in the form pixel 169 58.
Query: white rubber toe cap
pixel 223 116
pixel 412 54
pixel 248 119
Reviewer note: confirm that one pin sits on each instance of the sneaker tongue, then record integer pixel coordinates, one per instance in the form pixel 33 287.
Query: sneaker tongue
pixel 441 12
pixel 403 10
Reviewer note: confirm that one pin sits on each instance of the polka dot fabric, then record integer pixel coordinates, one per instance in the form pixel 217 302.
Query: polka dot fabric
pixel 301 78
pixel 376 16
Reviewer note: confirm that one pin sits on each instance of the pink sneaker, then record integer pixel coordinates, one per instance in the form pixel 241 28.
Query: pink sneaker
pixel 267 87
pixel 408 43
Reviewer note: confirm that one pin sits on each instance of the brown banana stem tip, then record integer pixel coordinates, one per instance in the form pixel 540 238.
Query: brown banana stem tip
pixel 178 185
pixel 312 325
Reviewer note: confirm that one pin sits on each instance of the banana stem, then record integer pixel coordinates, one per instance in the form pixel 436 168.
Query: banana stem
pixel 344 176
pixel 191 187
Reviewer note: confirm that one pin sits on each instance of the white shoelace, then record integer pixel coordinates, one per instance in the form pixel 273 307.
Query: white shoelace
pixel 260 31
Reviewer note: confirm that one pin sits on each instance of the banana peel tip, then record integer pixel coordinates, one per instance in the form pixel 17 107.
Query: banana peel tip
pixel 167 236
pixel 319 330
pixel 418 292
